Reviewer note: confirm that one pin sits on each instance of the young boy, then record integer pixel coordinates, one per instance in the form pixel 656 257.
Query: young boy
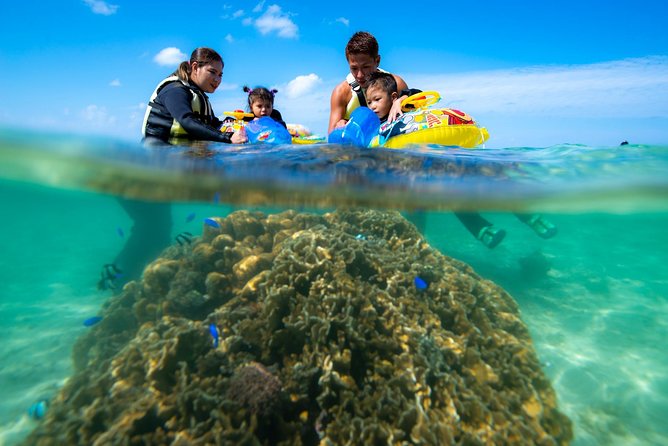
pixel 363 60
pixel 381 94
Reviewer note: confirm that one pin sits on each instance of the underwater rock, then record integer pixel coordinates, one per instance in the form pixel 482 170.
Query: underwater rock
pixel 322 338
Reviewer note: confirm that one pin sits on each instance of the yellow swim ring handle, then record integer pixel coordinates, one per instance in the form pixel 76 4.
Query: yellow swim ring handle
pixel 420 100
pixel 239 114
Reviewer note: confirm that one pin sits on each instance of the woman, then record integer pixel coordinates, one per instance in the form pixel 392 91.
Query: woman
pixel 179 110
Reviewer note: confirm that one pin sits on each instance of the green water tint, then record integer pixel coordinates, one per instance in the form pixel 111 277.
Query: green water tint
pixel 560 178
pixel 593 297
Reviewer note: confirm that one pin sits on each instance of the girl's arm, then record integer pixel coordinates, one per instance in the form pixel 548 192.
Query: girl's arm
pixel 276 116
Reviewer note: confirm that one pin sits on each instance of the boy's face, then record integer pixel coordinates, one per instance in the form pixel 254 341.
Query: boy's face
pixel 379 101
pixel 361 66
pixel 261 107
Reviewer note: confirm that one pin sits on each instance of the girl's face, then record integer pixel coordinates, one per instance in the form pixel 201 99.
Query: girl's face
pixel 261 107
pixel 207 77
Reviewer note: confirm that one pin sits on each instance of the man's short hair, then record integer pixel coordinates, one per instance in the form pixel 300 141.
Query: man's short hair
pixel 385 81
pixel 362 42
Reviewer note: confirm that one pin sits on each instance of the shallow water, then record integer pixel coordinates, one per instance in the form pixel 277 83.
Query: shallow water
pixel 595 297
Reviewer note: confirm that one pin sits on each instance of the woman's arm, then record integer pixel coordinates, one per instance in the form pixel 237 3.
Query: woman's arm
pixel 177 102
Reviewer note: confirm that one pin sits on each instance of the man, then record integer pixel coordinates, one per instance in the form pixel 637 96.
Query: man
pixel 363 59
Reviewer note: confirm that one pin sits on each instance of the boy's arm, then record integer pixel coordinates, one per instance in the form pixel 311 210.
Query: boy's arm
pixel 338 102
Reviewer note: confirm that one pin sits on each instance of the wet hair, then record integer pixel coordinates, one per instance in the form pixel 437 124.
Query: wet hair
pixel 203 56
pixel 362 42
pixel 385 81
pixel 260 93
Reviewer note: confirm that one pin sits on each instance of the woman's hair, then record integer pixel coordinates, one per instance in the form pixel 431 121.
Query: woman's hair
pixel 203 56
pixel 385 81
pixel 260 93
pixel 362 42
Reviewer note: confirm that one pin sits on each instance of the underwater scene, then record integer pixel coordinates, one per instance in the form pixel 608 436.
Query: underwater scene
pixel 326 294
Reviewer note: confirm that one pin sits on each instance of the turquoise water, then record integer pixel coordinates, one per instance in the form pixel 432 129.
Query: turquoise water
pixel 595 297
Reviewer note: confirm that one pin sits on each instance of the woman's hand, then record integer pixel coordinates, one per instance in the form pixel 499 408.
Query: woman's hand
pixel 395 110
pixel 239 137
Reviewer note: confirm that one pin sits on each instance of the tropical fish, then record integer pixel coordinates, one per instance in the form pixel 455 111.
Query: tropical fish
pixel 184 237
pixel 37 410
pixel 120 232
pixel 211 222
pixel 92 321
pixel 213 331
pixel 190 217
pixel 109 274
pixel 420 284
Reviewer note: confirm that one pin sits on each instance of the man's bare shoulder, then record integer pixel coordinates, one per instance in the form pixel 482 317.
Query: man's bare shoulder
pixel 342 93
pixel 401 84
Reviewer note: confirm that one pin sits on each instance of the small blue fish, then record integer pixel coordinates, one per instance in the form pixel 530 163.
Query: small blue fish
pixel 213 331
pixel 37 410
pixel 211 222
pixel 420 284
pixel 120 232
pixel 92 321
pixel 216 198
pixel 360 237
pixel 190 217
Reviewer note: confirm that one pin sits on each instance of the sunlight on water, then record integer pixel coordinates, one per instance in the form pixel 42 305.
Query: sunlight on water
pixel 594 296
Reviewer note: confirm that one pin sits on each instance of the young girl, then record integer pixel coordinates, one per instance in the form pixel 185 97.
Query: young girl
pixel 261 103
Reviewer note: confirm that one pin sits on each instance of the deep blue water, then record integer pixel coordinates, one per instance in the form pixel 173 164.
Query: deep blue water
pixel 595 297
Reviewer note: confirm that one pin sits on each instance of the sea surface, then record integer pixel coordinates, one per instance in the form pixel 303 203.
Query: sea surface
pixel 595 296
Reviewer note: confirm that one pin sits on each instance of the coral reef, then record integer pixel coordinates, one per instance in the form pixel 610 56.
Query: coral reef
pixel 323 338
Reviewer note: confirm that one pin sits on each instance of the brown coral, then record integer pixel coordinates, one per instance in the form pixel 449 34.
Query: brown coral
pixel 323 339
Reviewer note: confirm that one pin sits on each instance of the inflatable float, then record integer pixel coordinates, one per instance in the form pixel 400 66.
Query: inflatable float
pixel 266 130
pixel 421 123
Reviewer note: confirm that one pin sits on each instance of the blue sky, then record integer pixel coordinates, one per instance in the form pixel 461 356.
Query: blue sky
pixel 534 73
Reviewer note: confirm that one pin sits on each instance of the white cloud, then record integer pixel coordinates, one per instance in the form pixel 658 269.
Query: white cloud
pixel 343 20
pixel 302 85
pixel 539 106
pixel 259 7
pixel 101 7
pixel 115 83
pixel 136 115
pixel 274 20
pixel 169 56
pixel 229 38
pixel 238 14
pixel 97 115
pixel 247 21
pixel 633 87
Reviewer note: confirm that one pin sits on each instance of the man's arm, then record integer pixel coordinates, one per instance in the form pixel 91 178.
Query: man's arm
pixel 338 102
pixel 396 105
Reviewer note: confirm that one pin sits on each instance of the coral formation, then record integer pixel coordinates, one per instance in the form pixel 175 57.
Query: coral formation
pixel 323 339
